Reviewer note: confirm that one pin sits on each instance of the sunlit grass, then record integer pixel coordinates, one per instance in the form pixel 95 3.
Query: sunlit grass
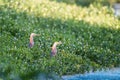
pixel 92 15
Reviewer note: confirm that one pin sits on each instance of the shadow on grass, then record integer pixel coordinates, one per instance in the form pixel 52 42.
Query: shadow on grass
pixel 83 3
pixel 97 44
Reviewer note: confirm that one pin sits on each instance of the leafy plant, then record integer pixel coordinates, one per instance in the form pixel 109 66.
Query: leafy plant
pixel 90 38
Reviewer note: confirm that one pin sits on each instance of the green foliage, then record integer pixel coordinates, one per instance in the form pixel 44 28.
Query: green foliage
pixel 90 38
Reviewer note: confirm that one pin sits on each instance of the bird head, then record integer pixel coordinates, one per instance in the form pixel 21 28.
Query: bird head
pixel 56 43
pixel 33 34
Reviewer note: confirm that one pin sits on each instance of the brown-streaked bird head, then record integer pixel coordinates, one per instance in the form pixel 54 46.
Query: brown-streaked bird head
pixel 54 48
pixel 31 43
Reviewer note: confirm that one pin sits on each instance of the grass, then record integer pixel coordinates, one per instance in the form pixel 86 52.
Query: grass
pixel 90 37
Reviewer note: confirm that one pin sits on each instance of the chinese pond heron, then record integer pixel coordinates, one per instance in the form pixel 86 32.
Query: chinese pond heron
pixel 31 43
pixel 54 48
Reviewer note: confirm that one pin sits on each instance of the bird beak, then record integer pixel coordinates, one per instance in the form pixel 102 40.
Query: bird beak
pixel 60 42
pixel 37 34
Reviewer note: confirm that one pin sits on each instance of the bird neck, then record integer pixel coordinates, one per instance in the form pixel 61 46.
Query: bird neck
pixel 31 39
pixel 54 46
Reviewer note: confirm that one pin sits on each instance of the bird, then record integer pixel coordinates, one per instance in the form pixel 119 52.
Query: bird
pixel 31 42
pixel 54 48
